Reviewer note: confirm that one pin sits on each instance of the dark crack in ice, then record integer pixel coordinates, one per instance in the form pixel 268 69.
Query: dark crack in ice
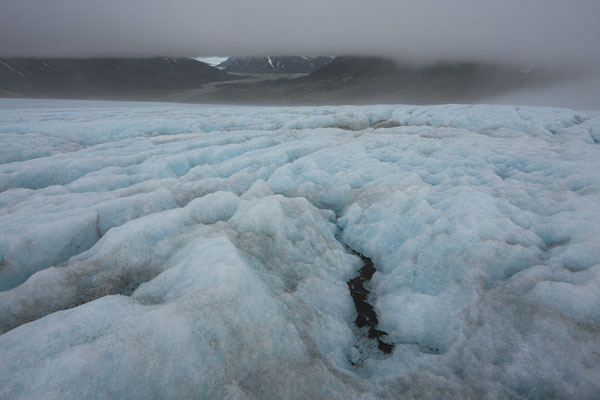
pixel 366 321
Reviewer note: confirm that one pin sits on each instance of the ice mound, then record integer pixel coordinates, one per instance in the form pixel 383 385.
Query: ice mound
pixel 158 250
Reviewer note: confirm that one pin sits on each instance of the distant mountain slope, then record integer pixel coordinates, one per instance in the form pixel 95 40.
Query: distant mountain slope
pixel 442 80
pixel 281 65
pixel 370 80
pixel 98 77
pixel 345 80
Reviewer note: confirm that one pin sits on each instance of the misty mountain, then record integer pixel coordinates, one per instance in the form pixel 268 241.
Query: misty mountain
pixel 370 80
pixel 102 77
pixel 440 82
pixel 345 80
pixel 279 65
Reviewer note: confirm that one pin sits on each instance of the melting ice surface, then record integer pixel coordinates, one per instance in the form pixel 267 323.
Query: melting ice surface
pixel 183 251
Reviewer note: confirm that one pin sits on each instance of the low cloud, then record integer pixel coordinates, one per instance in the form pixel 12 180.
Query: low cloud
pixel 531 32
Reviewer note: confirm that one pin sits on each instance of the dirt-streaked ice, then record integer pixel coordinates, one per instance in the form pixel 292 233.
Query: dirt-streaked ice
pixel 183 251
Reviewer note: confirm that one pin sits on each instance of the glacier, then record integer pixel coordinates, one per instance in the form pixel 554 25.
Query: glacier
pixel 155 250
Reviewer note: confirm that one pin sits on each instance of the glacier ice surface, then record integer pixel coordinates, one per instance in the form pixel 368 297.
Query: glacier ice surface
pixel 183 251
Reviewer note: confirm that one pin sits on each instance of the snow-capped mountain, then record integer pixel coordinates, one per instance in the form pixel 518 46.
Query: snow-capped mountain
pixel 268 64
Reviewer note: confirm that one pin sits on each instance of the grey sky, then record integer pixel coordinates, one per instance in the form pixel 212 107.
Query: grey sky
pixel 532 32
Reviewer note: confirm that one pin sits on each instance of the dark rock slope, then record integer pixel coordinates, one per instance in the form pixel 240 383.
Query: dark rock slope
pixel 345 80
pixel 278 65
pixel 369 80
pixel 102 77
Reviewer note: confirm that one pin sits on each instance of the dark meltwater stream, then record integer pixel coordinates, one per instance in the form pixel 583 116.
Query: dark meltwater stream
pixel 367 318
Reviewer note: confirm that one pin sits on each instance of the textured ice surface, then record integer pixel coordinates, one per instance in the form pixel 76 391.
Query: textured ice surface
pixel 182 251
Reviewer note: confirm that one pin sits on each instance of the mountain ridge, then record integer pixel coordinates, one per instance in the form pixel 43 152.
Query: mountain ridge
pixel 274 64
pixel 344 80
pixel 98 77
